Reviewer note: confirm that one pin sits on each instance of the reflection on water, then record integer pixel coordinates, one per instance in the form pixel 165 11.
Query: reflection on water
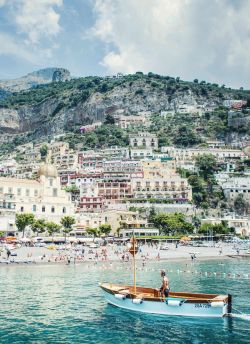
pixel 63 304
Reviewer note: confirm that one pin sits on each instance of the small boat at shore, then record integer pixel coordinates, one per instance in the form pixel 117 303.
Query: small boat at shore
pixel 150 300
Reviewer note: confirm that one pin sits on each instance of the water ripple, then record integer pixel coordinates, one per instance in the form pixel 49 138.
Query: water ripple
pixel 63 304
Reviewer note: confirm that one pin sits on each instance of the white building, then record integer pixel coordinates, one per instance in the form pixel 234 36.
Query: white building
pixel 185 154
pixel 141 153
pixel 42 197
pixel 240 224
pixel 235 186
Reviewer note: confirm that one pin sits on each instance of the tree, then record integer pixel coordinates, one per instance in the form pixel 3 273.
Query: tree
pixel 52 228
pixel 43 151
pixel 151 215
pixel 67 223
pixel 185 137
pixel 208 228
pixel 240 204
pixel 109 119
pixel 173 223
pixel 24 220
pixel 38 226
pixel 92 231
pixel 105 229
pixel 206 164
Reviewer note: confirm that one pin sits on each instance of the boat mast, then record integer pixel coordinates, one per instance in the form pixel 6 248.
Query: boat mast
pixel 133 250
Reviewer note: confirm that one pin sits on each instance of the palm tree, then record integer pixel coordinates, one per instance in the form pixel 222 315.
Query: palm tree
pixel 67 223
pixel 24 220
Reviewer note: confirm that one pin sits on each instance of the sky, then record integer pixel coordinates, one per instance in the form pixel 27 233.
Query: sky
pixel 204 39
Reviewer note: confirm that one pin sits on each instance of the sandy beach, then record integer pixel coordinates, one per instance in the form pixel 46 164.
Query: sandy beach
pixel 83 254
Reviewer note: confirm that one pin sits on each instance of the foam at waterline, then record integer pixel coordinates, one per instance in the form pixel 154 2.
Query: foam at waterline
pixel 240 316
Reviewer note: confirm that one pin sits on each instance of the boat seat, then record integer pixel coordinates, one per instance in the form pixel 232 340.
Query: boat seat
pixel 124 291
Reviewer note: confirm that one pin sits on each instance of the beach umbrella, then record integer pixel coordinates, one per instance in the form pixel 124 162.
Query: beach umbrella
pixel 11 238
pixel 185 238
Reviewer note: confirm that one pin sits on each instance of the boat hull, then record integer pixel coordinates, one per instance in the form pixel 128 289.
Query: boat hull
pixel 162 308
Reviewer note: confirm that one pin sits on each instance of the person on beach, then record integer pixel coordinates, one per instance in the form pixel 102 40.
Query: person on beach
pixel 165 284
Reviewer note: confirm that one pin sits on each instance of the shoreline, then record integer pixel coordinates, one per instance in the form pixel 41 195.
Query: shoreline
pixel 111 261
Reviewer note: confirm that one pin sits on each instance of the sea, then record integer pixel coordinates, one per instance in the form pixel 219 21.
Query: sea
pixel 63 303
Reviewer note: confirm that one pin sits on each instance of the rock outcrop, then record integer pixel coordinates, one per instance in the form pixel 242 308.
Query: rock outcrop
pixel 40 77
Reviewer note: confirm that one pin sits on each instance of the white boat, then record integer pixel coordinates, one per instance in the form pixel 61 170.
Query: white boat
pixel 150 300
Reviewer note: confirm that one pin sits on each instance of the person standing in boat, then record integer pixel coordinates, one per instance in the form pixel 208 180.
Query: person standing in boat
pixel 165 284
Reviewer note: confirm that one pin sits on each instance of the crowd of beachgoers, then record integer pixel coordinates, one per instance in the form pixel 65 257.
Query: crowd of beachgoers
pixel 93 252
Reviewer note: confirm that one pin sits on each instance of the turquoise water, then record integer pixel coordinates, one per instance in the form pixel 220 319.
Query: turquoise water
pixel 63 304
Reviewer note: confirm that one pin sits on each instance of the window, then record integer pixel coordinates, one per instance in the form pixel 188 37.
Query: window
pixel 27 192
pixel 34 207
pixel 21 209
pixel 19 192
pixel 64 210
pixel 43 209
pixel 51 182
pixel 35 192
pixel 1 190
pixel 54 192
pixel 52 209
pixel 9 190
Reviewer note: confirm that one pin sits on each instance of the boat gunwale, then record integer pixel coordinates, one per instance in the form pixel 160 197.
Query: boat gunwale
pixel 197 298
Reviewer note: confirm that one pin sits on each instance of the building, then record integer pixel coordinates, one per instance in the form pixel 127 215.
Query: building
pixel 90 127
pixel 143 139
pixel 215 144
pixel 160 181
pixel 234 103
pixel 235 186
pixel 132 121
pixel 119 220
pixel 240 224
pixel 43 197
pixel 185 154
pixel 141 153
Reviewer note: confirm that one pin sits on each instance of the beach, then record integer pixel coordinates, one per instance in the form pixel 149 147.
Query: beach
pixel 82 254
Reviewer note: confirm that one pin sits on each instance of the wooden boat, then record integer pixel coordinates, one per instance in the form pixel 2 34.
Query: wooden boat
pixel 150 300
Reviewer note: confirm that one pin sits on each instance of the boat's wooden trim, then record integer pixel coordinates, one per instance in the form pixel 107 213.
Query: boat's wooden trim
pixel 151 294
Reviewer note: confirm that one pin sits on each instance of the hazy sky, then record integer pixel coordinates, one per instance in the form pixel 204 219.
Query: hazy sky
pixel 204 39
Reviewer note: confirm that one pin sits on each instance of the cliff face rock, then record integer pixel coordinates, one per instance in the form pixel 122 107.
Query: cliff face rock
pixel 40 77
pixel 61 74
pixel 69 104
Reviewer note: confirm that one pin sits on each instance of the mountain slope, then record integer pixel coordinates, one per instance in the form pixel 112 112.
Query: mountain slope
pixel 62 106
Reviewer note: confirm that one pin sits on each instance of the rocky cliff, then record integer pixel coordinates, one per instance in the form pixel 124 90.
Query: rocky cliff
pixel 55 108
pixel 40 77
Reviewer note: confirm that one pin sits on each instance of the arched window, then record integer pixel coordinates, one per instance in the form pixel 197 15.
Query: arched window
pixel 43 209
pixel 64 210
pixel 52 209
